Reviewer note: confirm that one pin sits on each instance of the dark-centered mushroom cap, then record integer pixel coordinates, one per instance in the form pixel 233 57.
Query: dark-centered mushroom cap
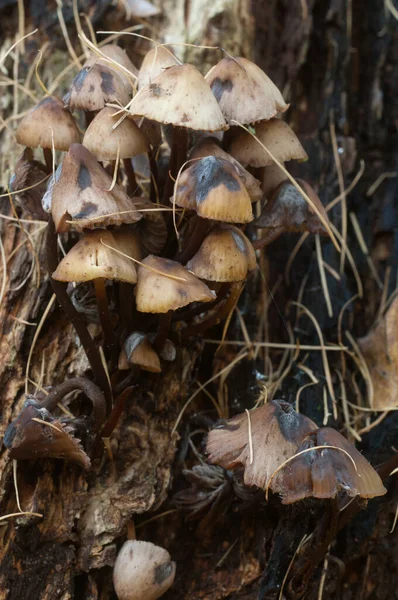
pixel 180 96
pixel 276 433
pixel 48 123
pixel 324 473
pixel 277 137
pixel 155 62
pixel 288 210
pixel 142 571
pixel 167 285
pixel 224 255
pixel 96 85
pixel 212 187
pixel 83 194
pixel 140 352
pixel 209 146
pixel 105 142
pixel 89 259
pixel 245 93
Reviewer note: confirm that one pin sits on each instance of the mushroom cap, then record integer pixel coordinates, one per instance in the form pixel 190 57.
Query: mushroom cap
pixel 167 285
pixel 96 85
pixel 89 259
pixel 142 8
pixel 140 352
pixel 142 570
pixel 276 135
pixel 47 121
pixel 224 255
pixel 325 473
pixel 115 53
pixel 104 142
pixel 209 146
pixel 245 93
pixel 288 209
pixel 276 431
pixel 212 187
pixel 155 62
pixel 273 176
pixel 82 194
pixel 180 96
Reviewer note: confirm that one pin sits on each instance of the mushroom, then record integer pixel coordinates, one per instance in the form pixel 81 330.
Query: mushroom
pixel 83 193
pixel 48 125
pixel 137 350
pixel 118 58
pixel 245 93
pixel 155 62
pixel 142 571
pixel 140 9
pixel 108 144
pixel 32 174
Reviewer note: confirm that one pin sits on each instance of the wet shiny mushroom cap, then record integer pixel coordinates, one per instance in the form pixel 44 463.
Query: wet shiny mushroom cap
pixel 48 124
pixel 165 285
pixel 155 62
pixel 106 142
pixel 212 187
pixel 277 137
pixel 89 259
pixel 139 352
pixel 83 193
pixel 142 571
pixel 180 96
pixel 288 210
pixel 245 93
pixel 209 146
pixel 224 255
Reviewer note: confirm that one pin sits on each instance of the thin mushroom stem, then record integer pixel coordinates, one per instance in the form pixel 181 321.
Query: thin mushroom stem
pixel 194 240
pixel 48 159
pixel 76 319
pixel 88 388
pixel 154 185
pixel 178 156
pixel 104 312
pixel 132 186
pixel 163 330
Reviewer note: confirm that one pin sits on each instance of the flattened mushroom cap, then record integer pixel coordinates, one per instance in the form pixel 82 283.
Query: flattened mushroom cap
pixel 89 259
pixel 140 352
pixel 224 255
pixel 245 93
pixel 325 473
pixel 276 433
pixel 155 62
pixel 180 96
pixel 96 85
pixel 104 142
pixel 209 146
pixel 212 187
pixel 47 119
pixel 82 194
pixel 288 209
pixel 276 135
pixel 166 285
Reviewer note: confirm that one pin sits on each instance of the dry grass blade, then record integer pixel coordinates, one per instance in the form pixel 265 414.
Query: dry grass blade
pixel 343 193
pixel 11 48
pixel 379 180
pixel 322 275
pixel 249 433
pixel 364 249
pixel 363 367
pixel 4 270
pixel 37 333
pixel 302 543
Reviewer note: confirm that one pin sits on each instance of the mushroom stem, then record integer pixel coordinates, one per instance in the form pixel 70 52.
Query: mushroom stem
pixel 88 388
pixel 59 289
pixel 48 159
pixel 178 156
pixel 270 236
pixel 132 186
pixel 104 312
pixel 154 185
pixel 163 330
pixel 221 312
pixel 89 116
pixel 194 240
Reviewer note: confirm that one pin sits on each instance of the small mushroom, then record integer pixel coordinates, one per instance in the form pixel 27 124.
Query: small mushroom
pixel 137 350
pixel 245 93
pixel 142 571
pixel 155 62
pixel 139 9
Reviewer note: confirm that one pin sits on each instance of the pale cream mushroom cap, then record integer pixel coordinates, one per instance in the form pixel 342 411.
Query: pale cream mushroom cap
pixel 155 62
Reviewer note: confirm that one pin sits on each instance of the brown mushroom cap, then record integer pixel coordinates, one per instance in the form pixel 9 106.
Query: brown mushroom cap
pixel 209 146
pixel 115 53
pixel 288 210
pixel 89 259
pixel 273 176
pixel 155 62
pixel 276 135
pixel 46 123
pixel 245 93
pixel 142 571
pixel 105 142
pixel 324 473
pixel 180 96
pixel 212 187
pixel 276 433
pixel 82 194
pixel 140 352
pixel 96 85
pixel 225 255
pixel 167 285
